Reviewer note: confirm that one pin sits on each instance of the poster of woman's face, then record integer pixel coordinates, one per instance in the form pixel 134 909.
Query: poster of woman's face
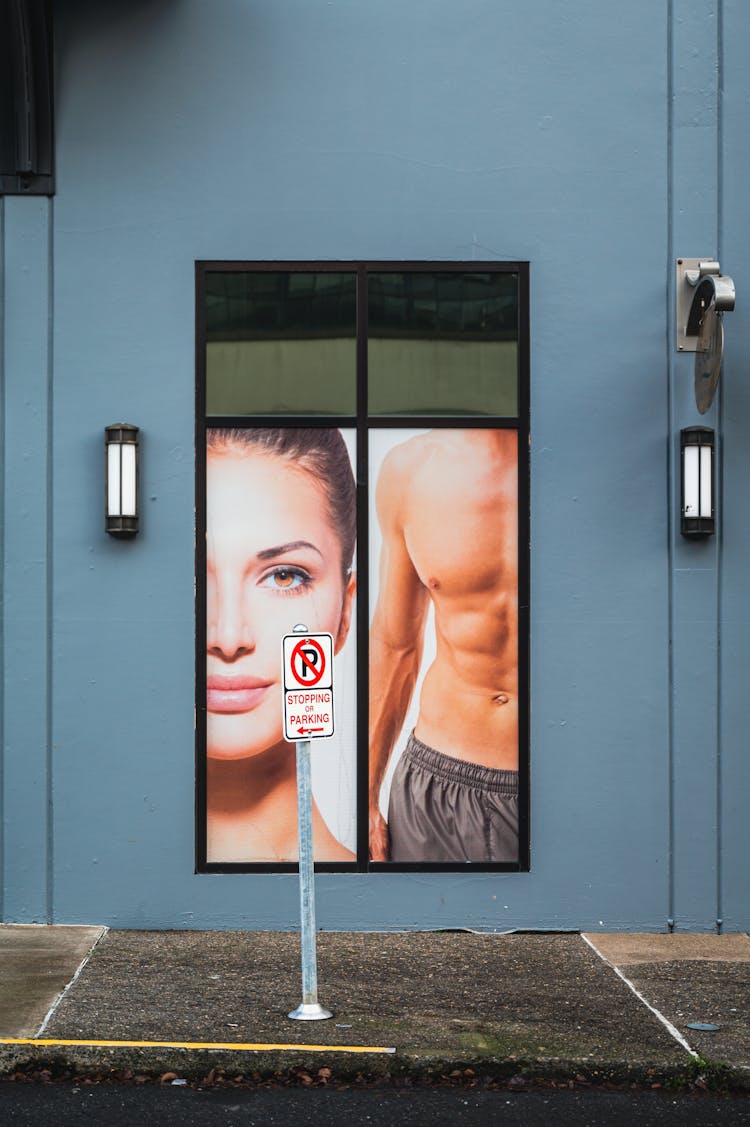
pixel 280 551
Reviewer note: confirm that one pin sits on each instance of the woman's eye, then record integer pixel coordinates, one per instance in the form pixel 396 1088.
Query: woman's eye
pixel 285 579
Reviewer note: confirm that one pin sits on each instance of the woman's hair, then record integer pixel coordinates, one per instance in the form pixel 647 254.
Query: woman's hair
pixel 321 451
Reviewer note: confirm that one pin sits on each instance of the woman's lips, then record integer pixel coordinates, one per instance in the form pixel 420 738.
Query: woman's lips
pixel 234 694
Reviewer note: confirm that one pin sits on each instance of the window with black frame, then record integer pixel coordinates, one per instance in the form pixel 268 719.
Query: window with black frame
pixel 365 428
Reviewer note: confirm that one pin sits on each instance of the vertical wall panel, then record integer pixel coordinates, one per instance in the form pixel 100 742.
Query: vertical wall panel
pixel 694 203
pixel 734 904
pixel 25 671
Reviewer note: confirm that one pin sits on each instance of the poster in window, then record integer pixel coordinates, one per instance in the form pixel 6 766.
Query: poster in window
pixel 280 544
pixel 444 683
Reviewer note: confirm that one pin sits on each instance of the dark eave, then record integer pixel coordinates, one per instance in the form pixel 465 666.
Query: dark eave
pixel 26 96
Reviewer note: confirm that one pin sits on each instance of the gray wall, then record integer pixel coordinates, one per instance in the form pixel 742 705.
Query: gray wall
pixel 597 139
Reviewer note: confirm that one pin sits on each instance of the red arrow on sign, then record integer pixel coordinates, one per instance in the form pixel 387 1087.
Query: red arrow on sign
pixel 303 730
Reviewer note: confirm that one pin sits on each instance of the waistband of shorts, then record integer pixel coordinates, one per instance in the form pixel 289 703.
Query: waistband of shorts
pixel 459 771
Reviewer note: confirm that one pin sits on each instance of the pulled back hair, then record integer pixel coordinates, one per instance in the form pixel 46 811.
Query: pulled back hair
pixel 321 452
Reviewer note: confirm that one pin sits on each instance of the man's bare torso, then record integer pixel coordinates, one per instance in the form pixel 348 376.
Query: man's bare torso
pixel 459 521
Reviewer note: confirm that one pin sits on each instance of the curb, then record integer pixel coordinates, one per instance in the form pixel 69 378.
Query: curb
pixel 303 1064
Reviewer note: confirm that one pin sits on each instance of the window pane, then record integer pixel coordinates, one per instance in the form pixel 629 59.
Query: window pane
pixel 280 343
pixel 281 522
pixel 443 589
pixel 443 343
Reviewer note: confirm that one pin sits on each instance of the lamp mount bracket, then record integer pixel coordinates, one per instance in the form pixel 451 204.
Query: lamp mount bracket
pixel 699 284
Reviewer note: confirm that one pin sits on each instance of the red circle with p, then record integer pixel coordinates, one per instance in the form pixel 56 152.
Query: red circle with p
pixel 308 662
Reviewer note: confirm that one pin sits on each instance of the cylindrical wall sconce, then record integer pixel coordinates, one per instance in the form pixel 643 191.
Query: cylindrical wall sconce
pixel 121 479
pixel 697 457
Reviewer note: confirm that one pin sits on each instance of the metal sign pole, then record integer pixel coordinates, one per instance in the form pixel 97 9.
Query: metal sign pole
pixel 310 1009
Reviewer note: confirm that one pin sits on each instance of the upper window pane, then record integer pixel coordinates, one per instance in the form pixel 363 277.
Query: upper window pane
pixel 280 343
pixel 443 343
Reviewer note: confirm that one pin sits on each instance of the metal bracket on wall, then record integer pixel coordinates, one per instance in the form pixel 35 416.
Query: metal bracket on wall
pixel 698 284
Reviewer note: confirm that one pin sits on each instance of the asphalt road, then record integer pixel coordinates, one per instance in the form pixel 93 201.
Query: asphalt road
pixel 28 1105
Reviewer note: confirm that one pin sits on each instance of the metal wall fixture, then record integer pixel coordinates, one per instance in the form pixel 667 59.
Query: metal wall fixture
pixel 697 489
pixel 122 472
pixel 702 296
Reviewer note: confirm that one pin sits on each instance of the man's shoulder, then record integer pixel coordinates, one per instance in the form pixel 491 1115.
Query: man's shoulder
pixel 410 454
pixel 397 464
pixel 396 478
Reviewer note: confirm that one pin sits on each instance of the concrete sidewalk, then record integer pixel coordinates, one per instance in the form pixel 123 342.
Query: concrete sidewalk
pixel 520 1007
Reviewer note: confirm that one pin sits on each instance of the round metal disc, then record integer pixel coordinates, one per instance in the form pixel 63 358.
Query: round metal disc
pixel 708 356
pixel 310 1011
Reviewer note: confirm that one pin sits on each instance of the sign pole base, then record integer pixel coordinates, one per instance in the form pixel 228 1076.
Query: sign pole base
pixel 310 1011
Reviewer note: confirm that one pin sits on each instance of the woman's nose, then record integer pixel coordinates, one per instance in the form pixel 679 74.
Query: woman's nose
pixel 228 627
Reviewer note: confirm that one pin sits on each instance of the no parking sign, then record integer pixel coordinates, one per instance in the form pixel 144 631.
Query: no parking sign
pixel 308 686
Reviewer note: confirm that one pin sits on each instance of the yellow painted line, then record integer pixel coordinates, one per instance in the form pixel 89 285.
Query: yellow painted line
pixel 239 1046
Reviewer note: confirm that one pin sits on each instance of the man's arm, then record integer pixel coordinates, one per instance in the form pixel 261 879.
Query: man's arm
pixel 396 637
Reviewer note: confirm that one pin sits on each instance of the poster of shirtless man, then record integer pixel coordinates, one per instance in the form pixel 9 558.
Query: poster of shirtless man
pixel 443 758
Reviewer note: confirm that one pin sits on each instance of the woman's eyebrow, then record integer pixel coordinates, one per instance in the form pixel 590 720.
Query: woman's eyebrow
pixel 282 549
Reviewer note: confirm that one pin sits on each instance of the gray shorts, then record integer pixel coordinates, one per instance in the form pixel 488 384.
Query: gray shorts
pixel 444 809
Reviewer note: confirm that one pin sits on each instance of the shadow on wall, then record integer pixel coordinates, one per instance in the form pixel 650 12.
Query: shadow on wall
pixel 94 14
pixel 76 21
pixel 97 42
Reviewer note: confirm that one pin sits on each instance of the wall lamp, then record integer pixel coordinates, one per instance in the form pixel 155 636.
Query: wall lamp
pixel 697 494
pixel 121 479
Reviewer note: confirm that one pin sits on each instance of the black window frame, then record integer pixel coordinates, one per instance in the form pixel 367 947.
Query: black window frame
pixel 363 422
